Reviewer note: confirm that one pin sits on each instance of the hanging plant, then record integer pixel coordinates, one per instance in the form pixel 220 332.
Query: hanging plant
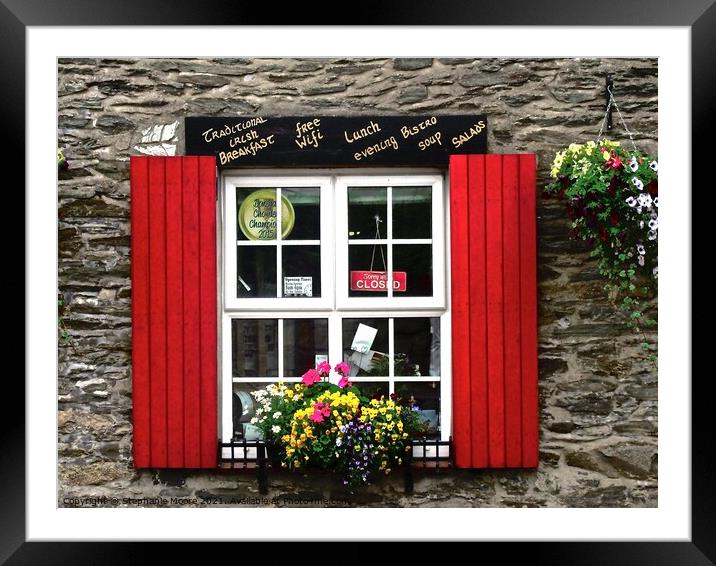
pixel 62 163
pixel 612 199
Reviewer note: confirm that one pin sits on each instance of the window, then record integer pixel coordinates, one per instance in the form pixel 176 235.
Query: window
pixel 347 267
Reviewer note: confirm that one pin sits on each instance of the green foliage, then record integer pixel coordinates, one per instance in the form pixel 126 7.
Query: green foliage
pixel 611 198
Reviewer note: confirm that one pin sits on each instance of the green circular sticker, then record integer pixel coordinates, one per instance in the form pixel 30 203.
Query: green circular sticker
pixel 258 217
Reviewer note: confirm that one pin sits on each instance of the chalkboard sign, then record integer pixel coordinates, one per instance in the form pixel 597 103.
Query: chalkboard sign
pixel 333 141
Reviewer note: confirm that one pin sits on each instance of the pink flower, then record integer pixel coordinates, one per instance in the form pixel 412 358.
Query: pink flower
pixel 326 410
pixel 316 417
pixel 311 377
pixel 344 382
pixel 343 368
pixel 324 368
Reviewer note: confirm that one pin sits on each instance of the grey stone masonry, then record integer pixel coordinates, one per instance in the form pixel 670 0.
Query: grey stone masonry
pixel 597 391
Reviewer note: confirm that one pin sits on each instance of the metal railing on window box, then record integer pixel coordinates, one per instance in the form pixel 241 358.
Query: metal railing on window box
pixel 427 453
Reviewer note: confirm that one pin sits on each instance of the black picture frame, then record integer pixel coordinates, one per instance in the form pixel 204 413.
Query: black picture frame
pixel 699 15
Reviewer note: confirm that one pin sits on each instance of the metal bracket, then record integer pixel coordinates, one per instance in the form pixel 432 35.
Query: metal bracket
pixel 608 92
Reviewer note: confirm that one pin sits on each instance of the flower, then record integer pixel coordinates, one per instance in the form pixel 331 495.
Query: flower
pixel 614 162
pixel 631 201
pixel 633 164
pixel 654 166
pixel 640 249
pixel 637 183
pixel 653 223
pixel 343 368
pixel 324 368
pixel 343 382
pixel 275 429
pixel 311 377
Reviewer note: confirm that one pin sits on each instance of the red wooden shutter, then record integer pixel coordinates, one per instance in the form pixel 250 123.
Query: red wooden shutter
pixel 174 304
pixel 494 310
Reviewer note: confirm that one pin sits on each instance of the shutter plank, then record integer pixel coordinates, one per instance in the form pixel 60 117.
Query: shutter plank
pixel 157 313
pixel 528 293
pixel 512 331
pixel 192 314
pixel 478 311
pixel 139 182
pixel 208 299
pixel 460 269
pixel 495 308
pixel 175 300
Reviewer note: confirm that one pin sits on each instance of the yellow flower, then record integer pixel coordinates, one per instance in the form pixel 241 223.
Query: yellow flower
pixel 289 393
pixel 605 155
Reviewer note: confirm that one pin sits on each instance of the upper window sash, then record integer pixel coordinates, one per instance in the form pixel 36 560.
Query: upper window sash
pixel 395 302
pixel 228 232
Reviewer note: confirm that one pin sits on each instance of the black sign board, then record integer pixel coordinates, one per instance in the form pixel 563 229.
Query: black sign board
pixel 333 141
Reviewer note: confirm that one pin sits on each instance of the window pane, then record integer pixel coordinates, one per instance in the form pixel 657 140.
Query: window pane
pixel 416 260
pixel 303 340
pixel 365 346
pixel 412 212
pixel 427 397
pixel 254 347
pixel 364 205
pixel 373 389
pixel 244 409
pixel 305 202
pixel 256 214
pixel 360 259
pixel 417 346
pixel 255 271
pixel 301 271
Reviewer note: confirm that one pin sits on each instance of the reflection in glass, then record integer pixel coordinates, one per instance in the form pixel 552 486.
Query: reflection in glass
pixel 417 261
pixel 360 258
pixel 412 212
pixel 301 262
pixel 356 338
pixel 364 205
pixel 303 340
pixel 254 347
pixel 427 398
pixel 307 211
pixel 417 346
pixel 255 271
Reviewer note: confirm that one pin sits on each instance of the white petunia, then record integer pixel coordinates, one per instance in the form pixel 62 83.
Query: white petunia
pixel 640 249
pixel 638 209
pixel 641 224
pixel 656 201
pixel 645 200
pixel 275 429
pixel 654 223
pixel 640 260
pixel 654 166
pixel 631 201
pixel 637 183
pixel 338 441
pixel 652 235
pixel 655 271
pixel 633 164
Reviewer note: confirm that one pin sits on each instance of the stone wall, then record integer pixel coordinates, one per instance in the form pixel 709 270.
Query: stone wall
pixel 598 394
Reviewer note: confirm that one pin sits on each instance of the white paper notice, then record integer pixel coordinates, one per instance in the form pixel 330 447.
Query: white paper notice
pixel 298 286
pixel 363 339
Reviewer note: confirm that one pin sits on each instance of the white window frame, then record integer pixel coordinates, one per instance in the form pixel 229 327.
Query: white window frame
pixel 333 305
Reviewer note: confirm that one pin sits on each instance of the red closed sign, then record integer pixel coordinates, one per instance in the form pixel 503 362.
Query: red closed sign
pixel 377 281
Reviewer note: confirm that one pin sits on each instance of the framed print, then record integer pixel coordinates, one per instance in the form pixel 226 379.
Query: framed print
pixel 208 361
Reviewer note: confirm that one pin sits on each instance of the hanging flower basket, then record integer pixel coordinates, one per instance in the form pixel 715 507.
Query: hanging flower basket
pixel 327 422
pixel 612 199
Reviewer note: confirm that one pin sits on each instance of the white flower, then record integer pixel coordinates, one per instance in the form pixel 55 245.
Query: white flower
pixel 656 201
pixel 652 235
pixel 655 271
pixel 277 414
pixel 640 260
pixel 645 200
pixel 339 441
pixel 654 224
pixel 640 249
pixel 641 224
pixel 631 201
pixel 638 209
pixel 633 164
pixel 637 183
pixel 654 166
pixel 275 429
pixel 253 420
pixel 259 411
